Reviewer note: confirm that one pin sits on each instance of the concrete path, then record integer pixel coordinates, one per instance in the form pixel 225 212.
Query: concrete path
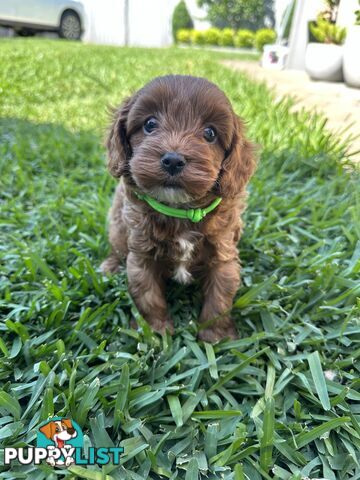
pixel 340 104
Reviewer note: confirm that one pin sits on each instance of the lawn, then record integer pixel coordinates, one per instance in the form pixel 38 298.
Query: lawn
pixel 281 402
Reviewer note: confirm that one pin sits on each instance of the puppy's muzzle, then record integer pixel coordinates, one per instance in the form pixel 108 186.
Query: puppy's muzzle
pixel 172 163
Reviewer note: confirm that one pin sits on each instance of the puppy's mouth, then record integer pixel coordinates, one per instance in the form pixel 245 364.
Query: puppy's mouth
pixel 172 184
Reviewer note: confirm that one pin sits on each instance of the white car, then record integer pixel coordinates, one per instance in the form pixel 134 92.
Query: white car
pixel 26 17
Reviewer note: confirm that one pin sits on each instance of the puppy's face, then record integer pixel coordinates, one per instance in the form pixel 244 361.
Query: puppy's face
pixel 178 140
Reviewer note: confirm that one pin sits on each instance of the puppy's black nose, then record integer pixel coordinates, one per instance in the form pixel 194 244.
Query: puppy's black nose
pixel 172 163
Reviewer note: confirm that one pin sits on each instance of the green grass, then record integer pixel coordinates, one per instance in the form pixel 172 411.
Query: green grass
pixel 283 401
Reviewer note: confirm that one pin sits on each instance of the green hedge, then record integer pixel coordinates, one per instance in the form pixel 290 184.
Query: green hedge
pixel 212 36
pixel 183 35
pixel 244 39
pixel 197 37
pixel 264 36
pixel 227 37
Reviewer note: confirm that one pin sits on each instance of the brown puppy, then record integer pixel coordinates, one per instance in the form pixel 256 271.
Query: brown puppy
pixel 179 141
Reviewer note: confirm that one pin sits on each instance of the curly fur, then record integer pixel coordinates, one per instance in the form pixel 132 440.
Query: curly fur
pixel 157 247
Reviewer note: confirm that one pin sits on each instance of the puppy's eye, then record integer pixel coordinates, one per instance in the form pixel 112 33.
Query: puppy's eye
pixel 150 125
pixel 210 134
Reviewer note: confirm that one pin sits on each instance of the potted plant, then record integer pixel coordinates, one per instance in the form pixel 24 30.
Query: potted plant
pixel 351 53
pixel 324 60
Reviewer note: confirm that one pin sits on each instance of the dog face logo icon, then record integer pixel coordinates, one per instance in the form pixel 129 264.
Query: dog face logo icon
pixel 59 431
pixel 60 436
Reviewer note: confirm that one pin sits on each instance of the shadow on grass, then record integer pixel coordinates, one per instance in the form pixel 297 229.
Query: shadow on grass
pixel 56 193
pixel 49 149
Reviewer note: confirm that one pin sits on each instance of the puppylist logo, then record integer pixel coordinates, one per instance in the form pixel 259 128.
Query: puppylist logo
pixel 60 442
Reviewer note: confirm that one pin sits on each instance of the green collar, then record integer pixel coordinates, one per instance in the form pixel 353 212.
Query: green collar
pixel 193 214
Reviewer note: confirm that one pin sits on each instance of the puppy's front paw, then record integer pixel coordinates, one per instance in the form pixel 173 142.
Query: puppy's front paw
pixel 110 265
pixel 157 325
pixel 215 334
pixel 161 326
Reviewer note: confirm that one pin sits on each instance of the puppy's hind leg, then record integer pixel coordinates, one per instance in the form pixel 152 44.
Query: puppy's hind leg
pixel 119 250
pixel 117 235
pixel 111 264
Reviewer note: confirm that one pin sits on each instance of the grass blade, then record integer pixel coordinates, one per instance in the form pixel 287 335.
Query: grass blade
pixel 235 371
pixel 87 402
pixel 192 472
pixel 267 439
pixel 122 395
pixel 10 404
pixel 212 361
pixel 253 292
pixel 175 408
pixel 239 472
pixel 319 379
pixel 304 438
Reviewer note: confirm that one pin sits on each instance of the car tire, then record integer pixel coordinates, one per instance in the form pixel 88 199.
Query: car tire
pixel 70 26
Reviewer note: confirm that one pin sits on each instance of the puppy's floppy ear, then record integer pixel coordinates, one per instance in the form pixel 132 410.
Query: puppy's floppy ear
pixel 69 426
pixel 239 163
pixel 117 143
pixel 48 430
pixel 67 422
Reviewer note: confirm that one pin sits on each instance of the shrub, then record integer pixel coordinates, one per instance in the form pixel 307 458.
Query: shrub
pixel 239 14
pixel 264 36
pixel 181 18
pixel 226 38
pixel 244 39
pixel 197 37
pixel 183 35
pixel 357 16
pixel 326 32
pixel 212 36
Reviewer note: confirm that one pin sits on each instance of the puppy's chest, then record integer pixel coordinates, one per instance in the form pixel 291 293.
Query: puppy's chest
pixel 179 254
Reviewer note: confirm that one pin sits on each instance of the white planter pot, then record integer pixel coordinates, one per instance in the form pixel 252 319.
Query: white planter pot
pixel 324 62
pixel 352 57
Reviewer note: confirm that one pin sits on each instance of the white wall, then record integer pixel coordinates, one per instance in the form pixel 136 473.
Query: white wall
pixel 346 15
pixel 150 23
pixel 105 22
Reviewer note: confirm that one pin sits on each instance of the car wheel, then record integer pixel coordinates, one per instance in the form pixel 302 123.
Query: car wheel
pixel 70 26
